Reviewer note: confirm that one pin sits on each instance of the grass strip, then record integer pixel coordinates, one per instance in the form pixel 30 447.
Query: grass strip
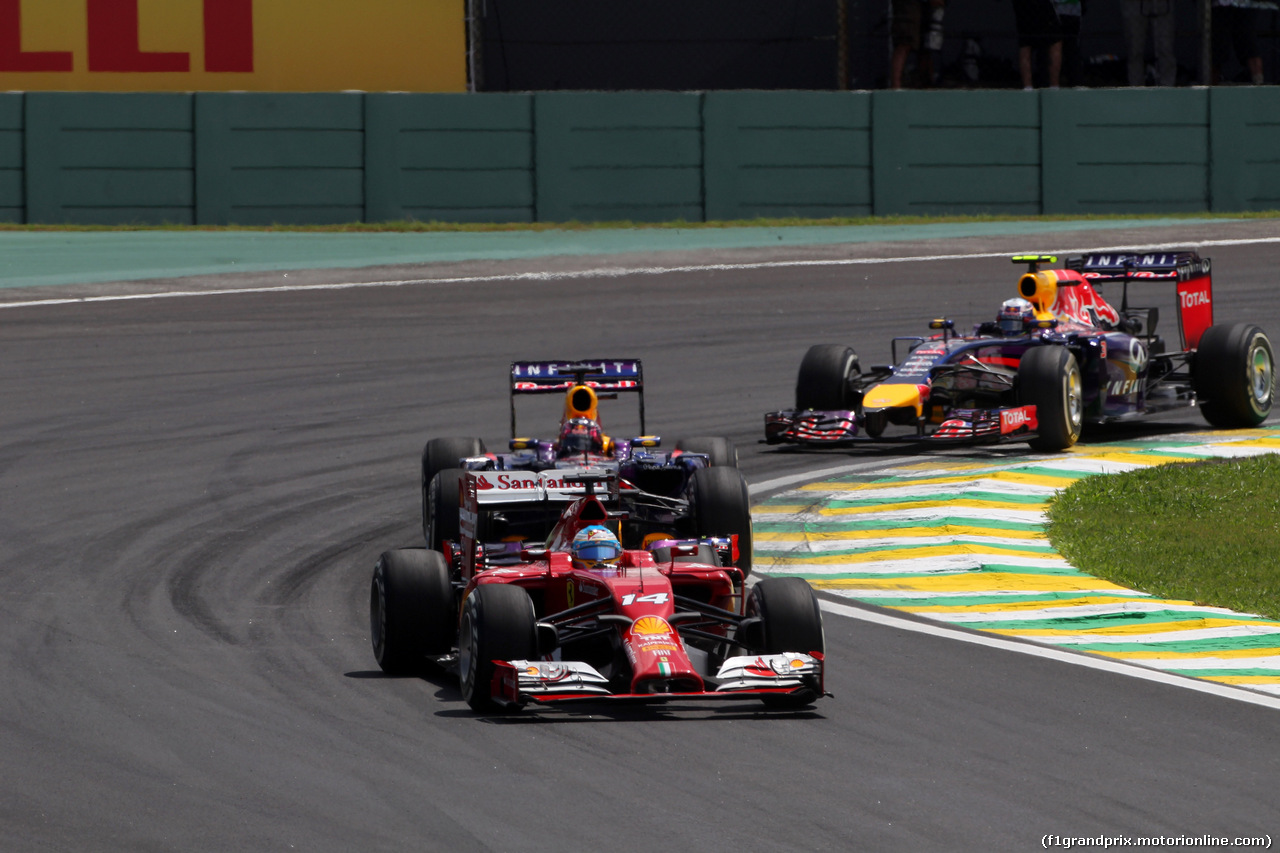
pixel 1207 532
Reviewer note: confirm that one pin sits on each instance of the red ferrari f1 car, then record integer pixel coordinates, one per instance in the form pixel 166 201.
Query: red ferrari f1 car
pixel 578 618
pixel 1057 356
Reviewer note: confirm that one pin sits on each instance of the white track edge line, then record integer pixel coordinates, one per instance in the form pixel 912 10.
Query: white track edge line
pixel 615 272
pixel 1133 670
pixel 1078 659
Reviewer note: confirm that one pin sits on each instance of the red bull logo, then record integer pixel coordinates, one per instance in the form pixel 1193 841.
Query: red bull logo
pixel 1082 304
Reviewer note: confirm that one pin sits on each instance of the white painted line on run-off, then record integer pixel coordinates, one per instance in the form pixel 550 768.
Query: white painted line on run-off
pixel 880 617
pixel 1226 691
pixel 618 272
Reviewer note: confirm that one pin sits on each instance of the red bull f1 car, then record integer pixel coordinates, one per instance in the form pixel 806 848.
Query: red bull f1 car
pixel 693 490
pixel 1058 356
pixel 549 623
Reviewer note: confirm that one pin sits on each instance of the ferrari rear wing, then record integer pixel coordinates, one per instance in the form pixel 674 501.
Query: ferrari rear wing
pixel 605 376
pixel 1191 274
pixel 485 492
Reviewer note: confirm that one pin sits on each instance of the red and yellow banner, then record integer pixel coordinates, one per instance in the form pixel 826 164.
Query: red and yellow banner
pixel 228 45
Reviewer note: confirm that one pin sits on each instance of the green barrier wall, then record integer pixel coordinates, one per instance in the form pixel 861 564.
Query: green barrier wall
pixel 1244 146
pixel 449 158
pixel 257 159
pixel 266 158
pixel 779 154
pixel 1126 151
pixel 618 156
pixel 12 196
pixel 102 158
pixel 939 154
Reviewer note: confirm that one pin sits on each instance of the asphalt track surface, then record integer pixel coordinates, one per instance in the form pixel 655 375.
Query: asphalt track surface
pixel 193 492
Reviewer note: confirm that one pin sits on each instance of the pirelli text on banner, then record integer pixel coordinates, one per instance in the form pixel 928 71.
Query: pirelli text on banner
pixel 232 45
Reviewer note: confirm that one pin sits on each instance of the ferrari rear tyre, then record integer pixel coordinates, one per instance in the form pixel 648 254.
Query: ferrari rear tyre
pixel 411 610
pixel 720 451
pixel 1049 379
pixel 722 507
pixel 791 621
pixel 439 454
pixel 1234 375
pixel 498 623
pixel 825 376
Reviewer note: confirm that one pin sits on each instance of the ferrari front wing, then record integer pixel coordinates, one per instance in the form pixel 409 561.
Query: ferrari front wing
pixel 797 674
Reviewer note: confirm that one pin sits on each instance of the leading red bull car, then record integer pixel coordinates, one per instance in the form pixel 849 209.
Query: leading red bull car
pixel 1057 356
pixel 579 618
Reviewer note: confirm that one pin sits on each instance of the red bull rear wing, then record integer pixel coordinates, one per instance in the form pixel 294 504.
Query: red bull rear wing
pixel 601 374
pixel 605 376
pixel 1191 274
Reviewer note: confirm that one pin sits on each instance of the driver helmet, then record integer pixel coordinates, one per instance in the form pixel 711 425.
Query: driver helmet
pixel 580 435
pixel 595 547
pixel 1014 315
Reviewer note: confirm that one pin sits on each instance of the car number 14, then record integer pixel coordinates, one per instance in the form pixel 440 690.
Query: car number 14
pixel 656 598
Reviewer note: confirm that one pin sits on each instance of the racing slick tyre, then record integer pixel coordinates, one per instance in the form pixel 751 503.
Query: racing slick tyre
pixel 411 609
pixel 790 621
pixel 439 454
pixel 722 507
pixel 498 623
pixel 1234 375
pixel 1049 379
pixel 441 521
pixel 720 451
pixel 825 376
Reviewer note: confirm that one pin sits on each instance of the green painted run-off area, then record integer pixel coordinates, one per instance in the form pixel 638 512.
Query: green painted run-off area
pixel 31 258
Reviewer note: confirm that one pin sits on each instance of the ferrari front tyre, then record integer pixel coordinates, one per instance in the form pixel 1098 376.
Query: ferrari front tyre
pixel 498 624
pixel 439 454
pixel 1234 375
pixel 720 451
pixel 790 621
pixel 722 507
pixel 411 609
pixel 1049 379
pixel 825 377
pixel 443 522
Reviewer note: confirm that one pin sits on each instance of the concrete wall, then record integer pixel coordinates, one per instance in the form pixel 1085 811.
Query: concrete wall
pixel 256 159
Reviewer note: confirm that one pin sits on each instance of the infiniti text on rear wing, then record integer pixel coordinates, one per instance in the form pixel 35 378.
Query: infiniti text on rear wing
pixel 605 376
pixel 1190 273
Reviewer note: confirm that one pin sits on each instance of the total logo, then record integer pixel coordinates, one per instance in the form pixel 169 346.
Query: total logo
pixel 1194 298
pixel 1014 419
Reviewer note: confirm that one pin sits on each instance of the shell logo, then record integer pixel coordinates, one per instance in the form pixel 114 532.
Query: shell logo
pixel 650 625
